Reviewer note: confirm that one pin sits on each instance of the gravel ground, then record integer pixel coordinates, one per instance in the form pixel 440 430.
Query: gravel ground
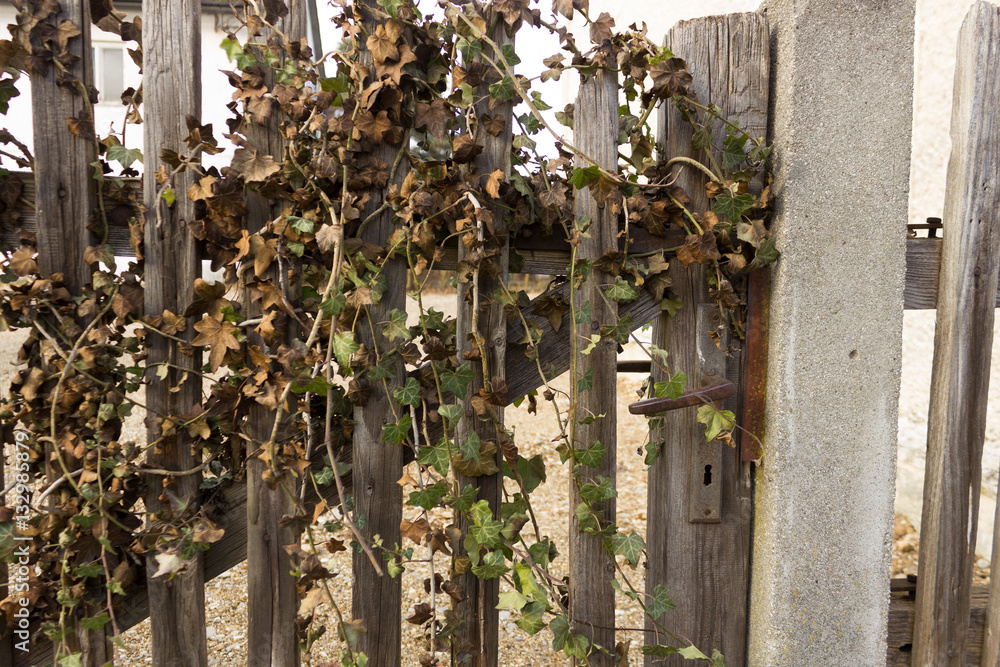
pixel 225 596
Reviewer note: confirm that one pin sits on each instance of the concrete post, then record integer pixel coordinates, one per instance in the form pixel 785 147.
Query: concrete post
pixel 842 82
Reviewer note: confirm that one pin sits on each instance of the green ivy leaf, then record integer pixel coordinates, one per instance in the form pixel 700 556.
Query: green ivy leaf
pixel 531 471
pixel 504 89
pixel 398 432
pixel 583 315
pixel 621 291
pixel 532 618
pixel 767 253
pixel 594 340
pixel 124 156
pixel 429 496
pixel 396 328
pixel 582 176
pixel 715 421
pixel 603 490
pixel 591 456
pixel 573 645
pixel 692 653
pixel 630 546
pixel 586 521
pixel 457 381
pixel 512 600
pixel 732 207
pixel 658 650
pixel 672 388
pixel 585 383
pixel 485 529
pixel 652 452
pixel 671 306
pixel 463 501
pixel 493 566
pixel 95 622
pixel 391 7
pixel 324 477
pixel 450 412
pixel 733 152
pixel 383 370
pixel 660 603
pixel 436 457
pixel 409 393
pixel 343 347
pixel 470 448
pixel 621 330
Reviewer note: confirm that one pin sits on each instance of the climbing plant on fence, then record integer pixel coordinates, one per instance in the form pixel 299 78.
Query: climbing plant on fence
pixel 418 135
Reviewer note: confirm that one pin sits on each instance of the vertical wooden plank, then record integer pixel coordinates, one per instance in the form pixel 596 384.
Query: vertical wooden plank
pixel 272 600
pixel 970 259
pixel 377 599
pixel 477 640
pixel 704 565
pixel 65 193
pixel 172 83
pixel 65 198
pixel 591 567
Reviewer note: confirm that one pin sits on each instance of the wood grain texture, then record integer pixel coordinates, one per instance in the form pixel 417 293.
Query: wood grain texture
pixel 970 260
pixel 476 642
pixel 272 599
pixel 704 565
pixel 902 611
pixel 378 466
pixel 591 566
pixel 172 81
pixel 66 194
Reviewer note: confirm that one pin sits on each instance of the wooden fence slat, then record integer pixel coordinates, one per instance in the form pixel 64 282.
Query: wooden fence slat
pixel 272 599
pixel 591 567
pixel 65 194
pixel 704 565
pixel 64 201
pixel 962 347
pixel 172 81
pixel 377 599
pixel 476 642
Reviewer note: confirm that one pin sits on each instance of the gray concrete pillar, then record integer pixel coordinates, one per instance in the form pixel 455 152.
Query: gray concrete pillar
pixel 842 106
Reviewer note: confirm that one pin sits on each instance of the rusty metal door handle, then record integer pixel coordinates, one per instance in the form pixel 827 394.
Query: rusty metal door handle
pixel 715 392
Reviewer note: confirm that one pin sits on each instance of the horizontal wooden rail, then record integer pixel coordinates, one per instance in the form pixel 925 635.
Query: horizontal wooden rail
pixel 902 611
pixel 543 254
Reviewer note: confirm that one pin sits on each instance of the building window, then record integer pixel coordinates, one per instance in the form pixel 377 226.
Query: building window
pixel 109 73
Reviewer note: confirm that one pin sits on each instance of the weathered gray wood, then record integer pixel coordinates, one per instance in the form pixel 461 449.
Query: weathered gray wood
pixel 377 599
pixel 66 192
pixel 902 610
pixel 591 566
pixel 704 565
pixel 705 464
pixel 272 599
pixel 970 260
pixel 64 202
pixel 172 81
pixel 476 642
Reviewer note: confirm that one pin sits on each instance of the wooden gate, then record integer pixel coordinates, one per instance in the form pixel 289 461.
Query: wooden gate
pixel 699 495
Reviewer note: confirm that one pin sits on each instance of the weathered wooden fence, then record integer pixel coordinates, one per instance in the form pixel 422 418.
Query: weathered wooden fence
pixel 954 623
pixel 699 503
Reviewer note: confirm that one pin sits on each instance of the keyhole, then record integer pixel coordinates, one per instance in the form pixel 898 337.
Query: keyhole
pixel 708 475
